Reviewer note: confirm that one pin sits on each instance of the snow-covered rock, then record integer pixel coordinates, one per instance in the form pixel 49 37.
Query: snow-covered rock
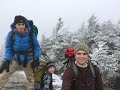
pixel 16 82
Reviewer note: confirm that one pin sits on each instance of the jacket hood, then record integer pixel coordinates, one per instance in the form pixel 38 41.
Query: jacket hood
pixel 27 25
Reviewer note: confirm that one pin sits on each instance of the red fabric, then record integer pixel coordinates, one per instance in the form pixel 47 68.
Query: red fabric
pixel 69 52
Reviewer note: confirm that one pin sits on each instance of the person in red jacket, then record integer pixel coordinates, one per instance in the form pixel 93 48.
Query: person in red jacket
pixel 84 79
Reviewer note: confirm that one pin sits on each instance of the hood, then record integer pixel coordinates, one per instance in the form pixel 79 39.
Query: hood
pixel 27 25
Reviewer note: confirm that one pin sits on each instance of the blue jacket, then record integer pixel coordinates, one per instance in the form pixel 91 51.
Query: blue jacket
pixel 21 43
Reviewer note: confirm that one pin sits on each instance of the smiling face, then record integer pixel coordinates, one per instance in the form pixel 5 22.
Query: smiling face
pixel 51 69
pixel 20 27
pixel 81 57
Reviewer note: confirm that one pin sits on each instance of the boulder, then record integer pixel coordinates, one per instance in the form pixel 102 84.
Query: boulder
pixel 17 81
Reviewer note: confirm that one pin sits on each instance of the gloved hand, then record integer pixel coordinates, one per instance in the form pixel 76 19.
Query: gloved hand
pixel 5 65
pixel 35 63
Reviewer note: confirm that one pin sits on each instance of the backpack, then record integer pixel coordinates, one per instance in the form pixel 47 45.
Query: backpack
pixel 33 30
pixel 69 52
pixel 38 76
pixel 70 62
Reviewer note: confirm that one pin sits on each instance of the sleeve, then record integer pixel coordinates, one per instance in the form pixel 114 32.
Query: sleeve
pixel 47 79
pixel 8 47
pixel 67 79
pixel 98 81
pixel 37 50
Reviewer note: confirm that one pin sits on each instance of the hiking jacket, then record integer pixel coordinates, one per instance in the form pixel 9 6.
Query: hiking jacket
pixel 84 79
pixel 21 43
pixel 47 79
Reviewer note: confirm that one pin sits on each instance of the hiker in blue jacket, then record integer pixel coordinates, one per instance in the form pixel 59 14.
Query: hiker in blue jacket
pixel 22 50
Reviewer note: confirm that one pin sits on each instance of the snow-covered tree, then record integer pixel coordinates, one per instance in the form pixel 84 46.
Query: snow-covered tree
pixel 103 40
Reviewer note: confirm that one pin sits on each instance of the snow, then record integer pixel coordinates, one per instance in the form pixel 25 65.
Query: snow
pixel 57 82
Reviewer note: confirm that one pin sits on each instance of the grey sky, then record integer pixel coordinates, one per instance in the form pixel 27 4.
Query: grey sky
pixel 45 13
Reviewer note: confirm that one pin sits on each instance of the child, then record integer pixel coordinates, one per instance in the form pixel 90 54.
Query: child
pixel 47 78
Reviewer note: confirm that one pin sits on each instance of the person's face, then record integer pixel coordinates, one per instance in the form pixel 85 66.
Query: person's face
pixel 51 69
pixel 20 27
pixel 81 57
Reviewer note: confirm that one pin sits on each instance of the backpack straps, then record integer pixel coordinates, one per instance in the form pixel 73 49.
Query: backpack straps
pixel 92 69
pixel 26 52
pixel 74 68
pixel 31 38
pixel 75 71
pixel 12 38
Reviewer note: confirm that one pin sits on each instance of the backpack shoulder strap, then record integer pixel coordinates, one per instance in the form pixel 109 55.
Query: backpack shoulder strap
pixel 73 67
pixel 31 38
pixel 75 71
pixel 12 37
pixel 92 69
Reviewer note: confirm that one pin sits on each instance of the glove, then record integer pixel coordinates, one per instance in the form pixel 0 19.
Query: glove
pixel 5 65
pixel 35 63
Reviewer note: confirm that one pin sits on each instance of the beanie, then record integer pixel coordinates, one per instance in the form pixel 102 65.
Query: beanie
pixel 49 64
pixel 81 46
pixel 19 19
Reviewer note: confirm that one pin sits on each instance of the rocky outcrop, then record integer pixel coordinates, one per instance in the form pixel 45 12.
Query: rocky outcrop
pixel 16 82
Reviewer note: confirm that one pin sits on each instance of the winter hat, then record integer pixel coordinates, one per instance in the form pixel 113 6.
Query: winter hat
pixel 49 64
pixel 19 19
pixel 81 46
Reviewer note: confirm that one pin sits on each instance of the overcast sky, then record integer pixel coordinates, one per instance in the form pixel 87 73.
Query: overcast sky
pixel 45 13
